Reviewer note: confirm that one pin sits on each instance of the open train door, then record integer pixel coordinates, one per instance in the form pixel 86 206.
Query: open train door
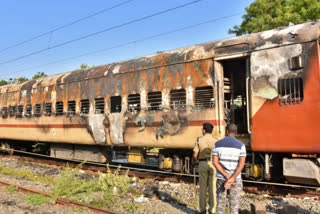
pixel 233 79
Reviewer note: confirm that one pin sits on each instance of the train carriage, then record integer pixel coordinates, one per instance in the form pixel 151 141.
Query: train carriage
pixel 150 110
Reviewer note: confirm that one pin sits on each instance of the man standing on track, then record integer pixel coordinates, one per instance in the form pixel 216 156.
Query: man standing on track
pixel 202 151
pixel 229 156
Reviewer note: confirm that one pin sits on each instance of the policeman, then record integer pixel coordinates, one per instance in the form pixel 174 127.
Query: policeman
pixel 202 151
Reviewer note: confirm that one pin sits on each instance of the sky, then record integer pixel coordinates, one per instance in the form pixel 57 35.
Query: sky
pixel 22 20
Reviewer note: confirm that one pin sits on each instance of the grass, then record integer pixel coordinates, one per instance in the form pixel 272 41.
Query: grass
pixel 12 188
pixel 131 207
pixel 37 199
pixel 26 173
pixel 104 190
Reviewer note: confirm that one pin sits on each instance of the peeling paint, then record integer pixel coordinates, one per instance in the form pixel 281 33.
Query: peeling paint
pixel 189 96
pixel 143 96
pixel 53 96
pixel 116 69
pixel 165 99
pixel 266 74
pixel 267 93
pixel 116 128
pixel 96 127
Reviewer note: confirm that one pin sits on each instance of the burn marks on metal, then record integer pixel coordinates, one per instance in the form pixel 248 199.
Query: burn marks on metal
pixel 265 72
pixel 184 68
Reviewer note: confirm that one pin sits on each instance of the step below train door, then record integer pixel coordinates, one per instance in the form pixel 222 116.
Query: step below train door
pixel 235 93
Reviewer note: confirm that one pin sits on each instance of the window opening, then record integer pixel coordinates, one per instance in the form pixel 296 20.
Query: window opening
pixel 4 112
pixel 134 103
pixel 71 108
pixel 59 108
pixel 37 110
pixel 20 111
pixel 85 106
pixel 115 104
pixel 99 102
pixel 154 101
pixel 204 97
pixel 12 111
pixel 290 90
pixel 28 112
pixel 47 109
pixel 178 99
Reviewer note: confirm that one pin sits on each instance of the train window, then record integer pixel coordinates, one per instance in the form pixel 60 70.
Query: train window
pixel 290 90
pixel 37 110
pixel 204 97
pixel 4 112
pixel 85 106
pixel 71 108
pixel 59 108
pixel 12 111
pixel 115 104
pixel 154 101
pixel 47 109
pixel 134 103
pixel 20 111
pixel 178 99
pixel 99 102
pixel 28 112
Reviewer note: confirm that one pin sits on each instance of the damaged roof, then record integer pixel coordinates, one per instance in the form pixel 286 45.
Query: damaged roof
pixel 253 42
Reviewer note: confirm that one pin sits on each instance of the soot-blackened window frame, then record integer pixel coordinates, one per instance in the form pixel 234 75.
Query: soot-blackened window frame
pixel 12 111
pixel 4 112
pixel 99 105
pixel 290 90
pixel 155 101
pixel 178 99
pixel 20 111
pixel 71 108
pixel 84 106
pixel 116 104
pixel 37 110
pixel 134 103
pixel 47 109
pixel 204 97
pixel 59 108
pixel 28 111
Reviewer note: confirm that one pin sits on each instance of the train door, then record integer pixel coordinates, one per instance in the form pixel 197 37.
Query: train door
pixel 235 93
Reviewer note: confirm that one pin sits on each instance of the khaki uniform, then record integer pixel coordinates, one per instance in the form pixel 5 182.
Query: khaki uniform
pixel 207 172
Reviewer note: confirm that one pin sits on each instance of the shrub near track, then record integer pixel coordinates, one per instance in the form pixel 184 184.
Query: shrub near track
pixel 102 191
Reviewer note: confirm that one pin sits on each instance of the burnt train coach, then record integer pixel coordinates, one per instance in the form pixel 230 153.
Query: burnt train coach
pixel 150 110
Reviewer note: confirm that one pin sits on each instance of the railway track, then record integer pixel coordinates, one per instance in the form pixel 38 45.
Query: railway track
pixel 257 187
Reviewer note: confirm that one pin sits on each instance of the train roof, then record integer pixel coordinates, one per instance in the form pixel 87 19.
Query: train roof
pixel 237 45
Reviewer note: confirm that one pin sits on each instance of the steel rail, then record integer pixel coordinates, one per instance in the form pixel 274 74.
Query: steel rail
pixel 61 201
pixel 157 171
pixel 281 184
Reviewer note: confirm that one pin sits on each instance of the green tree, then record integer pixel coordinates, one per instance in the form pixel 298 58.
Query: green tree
pixel 84 66
pixel 18 80
pixel 39 75
pixel 264 15
pixel 3 82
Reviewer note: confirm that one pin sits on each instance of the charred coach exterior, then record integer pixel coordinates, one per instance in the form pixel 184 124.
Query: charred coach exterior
pixel 267 83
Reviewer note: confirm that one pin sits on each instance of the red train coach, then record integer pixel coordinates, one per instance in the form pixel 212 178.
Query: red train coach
pixel 150 110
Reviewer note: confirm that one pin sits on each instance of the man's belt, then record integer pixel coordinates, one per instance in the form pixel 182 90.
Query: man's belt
pixel 205 159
